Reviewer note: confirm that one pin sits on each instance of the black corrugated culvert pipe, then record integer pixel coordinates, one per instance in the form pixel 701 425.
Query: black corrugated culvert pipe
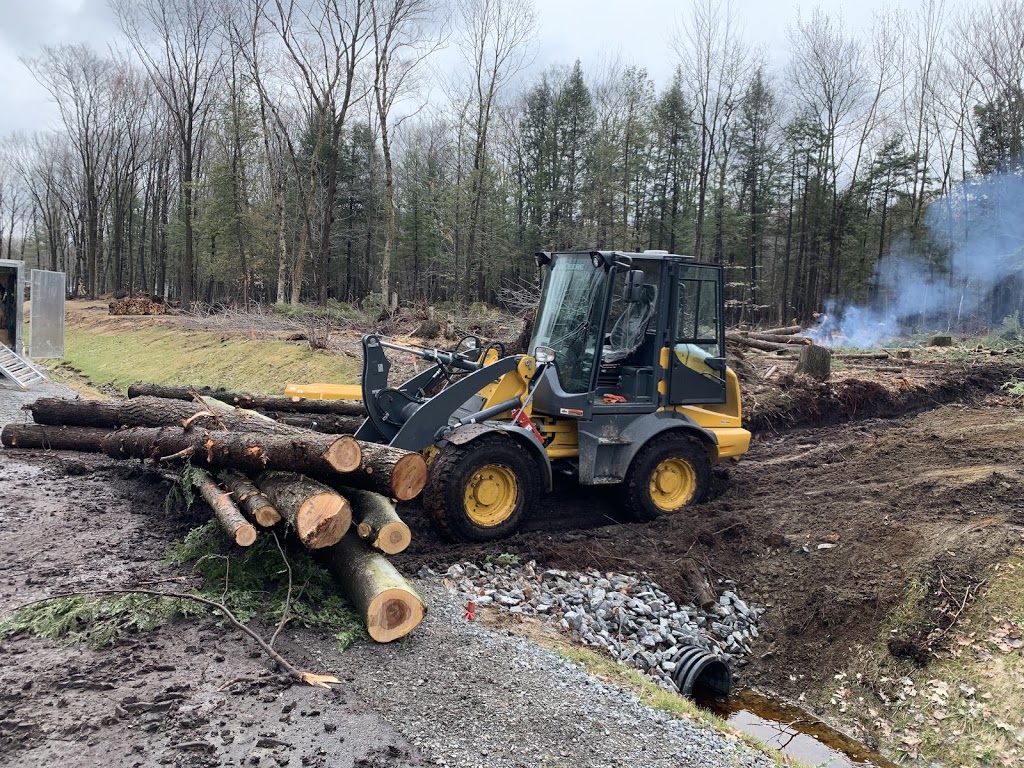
pixel 698 671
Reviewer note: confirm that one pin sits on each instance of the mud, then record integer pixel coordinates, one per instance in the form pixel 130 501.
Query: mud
pixel 189 694
pixel 827 526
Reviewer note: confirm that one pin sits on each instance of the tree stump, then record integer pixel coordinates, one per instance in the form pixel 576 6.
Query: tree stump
pixel 940 341
pixel 815 362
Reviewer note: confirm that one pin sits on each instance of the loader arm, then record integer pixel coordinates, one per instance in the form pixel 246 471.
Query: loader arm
pixel 403 417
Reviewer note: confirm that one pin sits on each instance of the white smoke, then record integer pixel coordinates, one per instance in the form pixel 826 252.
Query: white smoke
pixel 948 282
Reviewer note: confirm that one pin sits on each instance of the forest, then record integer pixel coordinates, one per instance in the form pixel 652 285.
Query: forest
pixel 359 152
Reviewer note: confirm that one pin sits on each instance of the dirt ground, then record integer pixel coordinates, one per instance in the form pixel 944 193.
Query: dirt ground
pixel 156 698
pixel 827 525
pixel 892 474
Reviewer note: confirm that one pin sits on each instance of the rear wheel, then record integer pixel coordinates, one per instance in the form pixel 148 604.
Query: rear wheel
pixel 482 490
pixel 670 473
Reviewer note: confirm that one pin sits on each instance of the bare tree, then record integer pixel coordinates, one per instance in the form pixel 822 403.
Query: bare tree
pixel 715 63
pixel 326 43
pixel 405 33
pixel 494 42
pixel 179 43
pixel 80 81
pixel 921 60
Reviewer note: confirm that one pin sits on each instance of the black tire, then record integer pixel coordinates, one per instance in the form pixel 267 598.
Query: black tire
pixel 499 468
pixel 685 465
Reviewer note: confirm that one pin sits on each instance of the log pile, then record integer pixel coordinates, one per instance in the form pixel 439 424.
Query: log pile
pixel 137 305
pixel 775 340
pixel 332 491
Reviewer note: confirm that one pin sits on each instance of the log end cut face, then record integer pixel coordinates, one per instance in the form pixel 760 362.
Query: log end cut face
pixel 392 614
pixel 323 519
pixel 394 537
pixel 408 477
pixel 344 454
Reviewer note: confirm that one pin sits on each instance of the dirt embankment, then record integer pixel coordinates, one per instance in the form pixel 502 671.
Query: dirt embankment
pixel 827 525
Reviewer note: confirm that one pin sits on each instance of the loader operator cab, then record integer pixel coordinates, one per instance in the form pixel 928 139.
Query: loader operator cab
pixel 605 318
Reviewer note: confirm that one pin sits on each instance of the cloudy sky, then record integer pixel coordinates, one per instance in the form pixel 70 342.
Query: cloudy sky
pixel 637 31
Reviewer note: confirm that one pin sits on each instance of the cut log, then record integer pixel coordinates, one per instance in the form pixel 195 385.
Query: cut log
pixel 319 516
pixel 306 453
pixel 76 413
pixel 766 346
pixel 250 498
pixel 153 412
pixel 244 419
pixel 35 436
pixel 389 605
pixel 328 423
pixel 787 331
pixel 377 521
pixel 940 341
pixel 230 517
pixel 389 471
pixel 815 362
pixel 863 356
pixel 776 339
pixel 247 400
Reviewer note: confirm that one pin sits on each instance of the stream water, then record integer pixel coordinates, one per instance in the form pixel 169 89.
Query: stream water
pixel 792 731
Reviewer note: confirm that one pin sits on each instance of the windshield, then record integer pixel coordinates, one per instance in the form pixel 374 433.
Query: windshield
pixel 569 319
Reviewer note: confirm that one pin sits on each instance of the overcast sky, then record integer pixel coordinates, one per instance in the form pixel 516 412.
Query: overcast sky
pixel 591 30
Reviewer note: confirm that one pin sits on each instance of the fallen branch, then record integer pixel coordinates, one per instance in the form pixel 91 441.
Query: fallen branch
pixel 309 678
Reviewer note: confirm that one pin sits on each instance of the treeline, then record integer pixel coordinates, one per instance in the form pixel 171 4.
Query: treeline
pixel 318 150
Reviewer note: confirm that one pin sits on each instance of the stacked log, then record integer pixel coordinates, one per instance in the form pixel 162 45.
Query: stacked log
pixel 777 340
pixel 248 400
pixel 255 472
pixel 390 607
pixel 230 517
pixel 137 305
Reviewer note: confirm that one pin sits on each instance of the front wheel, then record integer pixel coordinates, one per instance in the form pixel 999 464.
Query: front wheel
pixel 483 490
pixel 670 473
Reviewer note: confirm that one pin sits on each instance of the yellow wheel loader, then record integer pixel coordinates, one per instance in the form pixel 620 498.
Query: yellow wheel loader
pixel 625 384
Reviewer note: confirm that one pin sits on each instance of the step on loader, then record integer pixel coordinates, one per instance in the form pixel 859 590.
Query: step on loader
pixel 625 384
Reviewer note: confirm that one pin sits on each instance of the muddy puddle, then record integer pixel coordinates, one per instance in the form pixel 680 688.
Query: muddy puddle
pixel 792 731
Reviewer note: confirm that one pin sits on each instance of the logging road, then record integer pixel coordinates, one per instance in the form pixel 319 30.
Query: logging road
pixel 454 693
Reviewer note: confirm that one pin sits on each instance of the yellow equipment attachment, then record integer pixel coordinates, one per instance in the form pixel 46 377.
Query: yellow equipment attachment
pixel 324 391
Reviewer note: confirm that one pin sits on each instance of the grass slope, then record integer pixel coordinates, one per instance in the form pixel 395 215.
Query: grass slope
pixel 162 355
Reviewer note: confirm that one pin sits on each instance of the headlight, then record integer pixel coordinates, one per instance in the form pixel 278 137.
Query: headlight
pixel 544 354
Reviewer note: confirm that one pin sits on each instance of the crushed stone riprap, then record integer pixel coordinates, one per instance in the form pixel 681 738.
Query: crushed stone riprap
pixel 625 614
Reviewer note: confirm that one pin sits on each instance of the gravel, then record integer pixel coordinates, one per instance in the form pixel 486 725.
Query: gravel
pixel 13 399
pixel 467 695
pixel 625 615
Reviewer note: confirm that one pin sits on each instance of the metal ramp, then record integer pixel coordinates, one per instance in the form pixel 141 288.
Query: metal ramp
pixel 18 369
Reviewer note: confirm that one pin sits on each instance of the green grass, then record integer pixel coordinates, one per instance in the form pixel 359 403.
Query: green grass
pixel 598 665
pixel 172 356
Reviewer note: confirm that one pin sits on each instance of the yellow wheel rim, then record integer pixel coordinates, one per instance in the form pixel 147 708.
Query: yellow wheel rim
pixel 673 484
pixel 491 494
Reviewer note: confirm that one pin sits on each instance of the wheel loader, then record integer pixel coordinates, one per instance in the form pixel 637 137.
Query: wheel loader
pixel 625 384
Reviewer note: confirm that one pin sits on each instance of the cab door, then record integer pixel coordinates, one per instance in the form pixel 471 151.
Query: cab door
pixel 697 352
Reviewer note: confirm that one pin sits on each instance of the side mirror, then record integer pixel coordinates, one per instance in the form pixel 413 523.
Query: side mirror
pixel 633 290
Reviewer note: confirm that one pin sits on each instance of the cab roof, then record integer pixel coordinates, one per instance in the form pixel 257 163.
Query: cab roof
pixel 610 257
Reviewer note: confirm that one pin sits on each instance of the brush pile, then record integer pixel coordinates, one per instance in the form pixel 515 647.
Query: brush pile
pixel 334 492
